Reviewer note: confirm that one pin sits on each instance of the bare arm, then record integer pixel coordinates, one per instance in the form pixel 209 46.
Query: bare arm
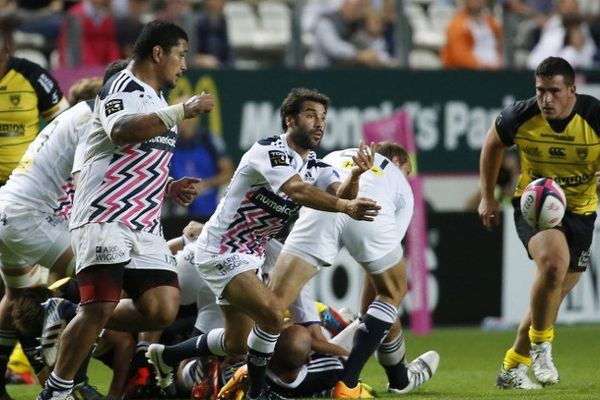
pixel 137 128
pixel 311 196
pixel 363 161
pixel 141 127
pixel 321 345
pixel 489 165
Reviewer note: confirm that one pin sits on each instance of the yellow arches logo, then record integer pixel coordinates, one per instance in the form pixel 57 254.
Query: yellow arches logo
pixel 207 83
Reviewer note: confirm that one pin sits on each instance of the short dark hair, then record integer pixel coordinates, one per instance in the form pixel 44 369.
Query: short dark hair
pixel 552 66
pixel 157 33
pixel 28 313
pixel 293 102
pixel 83 89
pixel 390 150
pixel 114 68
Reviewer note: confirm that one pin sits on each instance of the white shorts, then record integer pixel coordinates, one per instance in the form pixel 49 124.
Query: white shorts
pixel 318 236
pixel 194 290
pixel 218 270
pixel 303 309
pixel 29 237
pixel 115 243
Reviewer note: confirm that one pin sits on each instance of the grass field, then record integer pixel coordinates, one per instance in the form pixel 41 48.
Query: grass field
pixel 469 361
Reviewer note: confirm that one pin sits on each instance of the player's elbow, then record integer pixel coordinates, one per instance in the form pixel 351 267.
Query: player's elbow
pixel 298 191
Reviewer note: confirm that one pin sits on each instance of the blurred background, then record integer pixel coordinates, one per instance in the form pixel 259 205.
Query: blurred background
pixel 446 66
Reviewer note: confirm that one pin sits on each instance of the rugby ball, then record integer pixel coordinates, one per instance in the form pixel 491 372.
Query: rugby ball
pixel 543 204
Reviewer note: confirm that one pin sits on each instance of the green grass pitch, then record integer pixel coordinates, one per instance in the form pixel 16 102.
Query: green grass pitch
pixel 469 361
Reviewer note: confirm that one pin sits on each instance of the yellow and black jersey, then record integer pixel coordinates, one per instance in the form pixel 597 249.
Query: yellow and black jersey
pixel 27 91
pixel 567 151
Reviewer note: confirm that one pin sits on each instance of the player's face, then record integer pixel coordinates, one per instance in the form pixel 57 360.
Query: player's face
pixel 173 64
pixel 554 97
pixel 309 125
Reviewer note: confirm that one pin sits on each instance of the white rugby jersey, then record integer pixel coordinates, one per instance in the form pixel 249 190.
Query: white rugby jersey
pixel 124 183
pixel 42 180
pixel 384 182
pixel 253 209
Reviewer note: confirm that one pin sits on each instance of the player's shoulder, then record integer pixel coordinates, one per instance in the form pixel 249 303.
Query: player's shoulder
pixel 314 161
pixel 521 111
pixel 28 69
pixel 123 82
pixel 274 140
pixel 587 105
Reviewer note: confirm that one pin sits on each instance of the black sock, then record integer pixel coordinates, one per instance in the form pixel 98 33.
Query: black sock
pixel 81 374
pixel 261 345
pixel 392 355
pixel 375 325
pixel 397 375
pixel 209 344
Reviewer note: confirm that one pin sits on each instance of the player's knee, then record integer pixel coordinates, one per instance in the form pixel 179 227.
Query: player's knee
pixel 163 315
pixel 97 312
pixel 553 269
pixel 271 318
pixel 160 310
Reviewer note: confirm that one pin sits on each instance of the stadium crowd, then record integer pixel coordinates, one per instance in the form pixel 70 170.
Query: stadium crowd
pixel 430 34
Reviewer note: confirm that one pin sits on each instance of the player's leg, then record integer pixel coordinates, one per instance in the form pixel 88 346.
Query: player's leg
pixel 100 289
pixel 25 243
pixel 391 353
pixel 390 286
pixel 550 252
pixel 289 276
pixel 247 294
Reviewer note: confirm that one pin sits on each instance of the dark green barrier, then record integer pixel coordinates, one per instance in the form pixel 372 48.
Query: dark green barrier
pixel 452 110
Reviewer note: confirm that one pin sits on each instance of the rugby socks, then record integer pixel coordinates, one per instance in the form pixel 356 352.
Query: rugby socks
pixel 546 335
pixel 260 349
pixel 211 343
pixel 8 340
pixel 57 384
pixel 375 325
pixel 512 359
pixel 391 356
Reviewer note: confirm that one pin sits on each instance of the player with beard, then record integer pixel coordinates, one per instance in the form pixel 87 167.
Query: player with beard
pixel 274 178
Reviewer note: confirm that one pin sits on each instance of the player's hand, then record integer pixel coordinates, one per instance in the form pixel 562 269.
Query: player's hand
pixel 364 159
pixel 362 209
pixel 197 105
pixel 489 212
pixel 184 190
pixel 192 230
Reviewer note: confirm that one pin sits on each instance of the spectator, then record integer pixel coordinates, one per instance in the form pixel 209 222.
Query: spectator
pixel 180 12
pixel 88 35
pixel 129 24
pixel 522 24
pixel 201 154
pixel 473 39
pixel 373 37
pixel 213 41
pixel 578 49
pixel 554 34
pixel 333 37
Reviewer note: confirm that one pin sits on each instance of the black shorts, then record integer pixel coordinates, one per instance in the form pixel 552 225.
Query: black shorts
pixel 578 229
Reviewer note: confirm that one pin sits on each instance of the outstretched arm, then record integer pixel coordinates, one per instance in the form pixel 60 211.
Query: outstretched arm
pixel 489 165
